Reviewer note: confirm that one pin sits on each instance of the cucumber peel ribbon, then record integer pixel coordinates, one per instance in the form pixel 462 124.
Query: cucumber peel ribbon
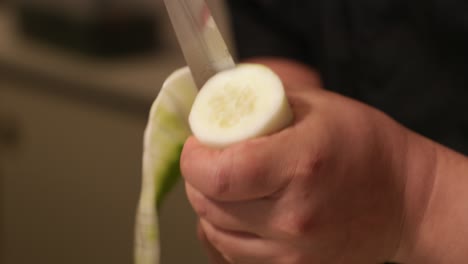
pixel 164 137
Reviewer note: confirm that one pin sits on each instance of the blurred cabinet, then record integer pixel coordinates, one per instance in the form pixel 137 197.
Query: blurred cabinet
pixel 70 184
pixel 104 28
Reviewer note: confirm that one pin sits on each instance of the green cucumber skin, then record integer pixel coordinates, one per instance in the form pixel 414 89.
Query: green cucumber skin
pixel 164 139
pixel 169 179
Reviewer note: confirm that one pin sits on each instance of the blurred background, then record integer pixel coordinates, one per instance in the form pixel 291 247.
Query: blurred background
pixel 77 78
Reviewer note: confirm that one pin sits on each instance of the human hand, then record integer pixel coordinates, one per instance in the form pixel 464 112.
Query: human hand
pixel 327 189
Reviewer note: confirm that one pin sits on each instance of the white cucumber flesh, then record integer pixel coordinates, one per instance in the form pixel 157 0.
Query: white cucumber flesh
pixel 242 103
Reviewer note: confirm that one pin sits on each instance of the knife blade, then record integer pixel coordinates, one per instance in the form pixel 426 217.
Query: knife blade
pixel 202 44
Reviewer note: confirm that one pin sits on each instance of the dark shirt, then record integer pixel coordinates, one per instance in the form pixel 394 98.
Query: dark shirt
pixel 408 58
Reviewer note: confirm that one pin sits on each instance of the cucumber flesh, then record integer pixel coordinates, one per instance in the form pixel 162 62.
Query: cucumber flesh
pixel 246 102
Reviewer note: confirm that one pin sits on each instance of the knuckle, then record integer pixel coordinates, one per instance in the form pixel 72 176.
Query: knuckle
pixel 199 204
pixel 220 181
pixel 214 239
pixel 294 224
pixel 294 257
pixel 232 259
pixel 201 233
pixel 253 165
pixel 308 171
pixel 221 245
pixel 312 165
pixel 256 175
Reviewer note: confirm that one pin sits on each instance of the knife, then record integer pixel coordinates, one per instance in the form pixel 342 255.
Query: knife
pixel 202 44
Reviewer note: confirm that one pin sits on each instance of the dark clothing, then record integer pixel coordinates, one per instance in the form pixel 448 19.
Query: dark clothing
pixel 408 58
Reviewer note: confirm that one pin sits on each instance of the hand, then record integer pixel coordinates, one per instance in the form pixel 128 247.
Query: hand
pixel 328 189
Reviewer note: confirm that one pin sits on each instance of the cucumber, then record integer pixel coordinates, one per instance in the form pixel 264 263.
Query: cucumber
pixel 242 103
pixel 235 105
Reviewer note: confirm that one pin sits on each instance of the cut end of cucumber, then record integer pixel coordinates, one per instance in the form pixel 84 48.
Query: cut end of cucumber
pixel 239 104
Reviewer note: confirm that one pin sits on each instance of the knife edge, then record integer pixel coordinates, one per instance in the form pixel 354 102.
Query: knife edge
pixel 202 44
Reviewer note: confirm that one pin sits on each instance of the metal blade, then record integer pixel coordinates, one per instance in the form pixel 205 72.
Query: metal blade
pixel 203 46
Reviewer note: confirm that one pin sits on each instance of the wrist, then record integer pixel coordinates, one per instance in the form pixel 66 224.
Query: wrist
pixel 435 227
pixel 421 163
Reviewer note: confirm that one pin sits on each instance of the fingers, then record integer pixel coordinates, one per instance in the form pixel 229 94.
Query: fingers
pixel 247 217
pixel 245 171
pixel 237 247
pixel 214 256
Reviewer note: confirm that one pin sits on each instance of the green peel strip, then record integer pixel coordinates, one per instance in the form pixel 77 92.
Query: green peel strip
pixel 165 136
